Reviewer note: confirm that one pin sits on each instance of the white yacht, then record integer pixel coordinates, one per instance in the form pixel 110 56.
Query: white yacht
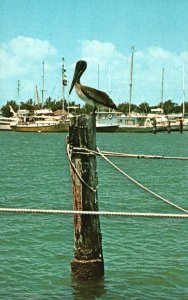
pixel 43 120
pixel 6 123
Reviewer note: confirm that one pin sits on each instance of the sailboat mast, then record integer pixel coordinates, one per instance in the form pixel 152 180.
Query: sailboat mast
pixel 18 89
pixel 109 80
pixel 18 92
pixel 162 88
pixel 37 96
pixel 183 89
pixel 131 79
pixel 63 87
pixel 42 82
pixel 98 77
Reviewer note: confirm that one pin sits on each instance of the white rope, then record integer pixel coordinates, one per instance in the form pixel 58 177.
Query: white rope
pixel 143 156
pixel 118 154
pixel 141 185
pixel 102 213
pixel 77 173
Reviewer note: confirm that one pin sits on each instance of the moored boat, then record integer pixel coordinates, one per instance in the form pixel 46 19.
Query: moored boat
pixel 43 120
pixel 128 123
pixel 41 127
pixel 6 122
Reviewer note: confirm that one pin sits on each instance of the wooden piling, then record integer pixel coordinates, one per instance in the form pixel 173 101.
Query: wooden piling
pixel 154 126
pixel 88 257
pixel 181 125
pixel 169 126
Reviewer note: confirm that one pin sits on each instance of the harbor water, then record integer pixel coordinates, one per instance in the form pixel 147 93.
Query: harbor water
pixel 145 258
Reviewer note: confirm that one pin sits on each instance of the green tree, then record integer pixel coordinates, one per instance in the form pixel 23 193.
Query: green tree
pixel 6 108
pixel 29 105
pixel 124 107
pixel 186 108
pixel 170 107
pixel 144 108
pixel 48 103
pixel 86 109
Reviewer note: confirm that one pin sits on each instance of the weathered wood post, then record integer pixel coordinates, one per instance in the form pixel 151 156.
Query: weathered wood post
pixel 88 260
pixel 169 126
pixel 154 126
pixel 181 125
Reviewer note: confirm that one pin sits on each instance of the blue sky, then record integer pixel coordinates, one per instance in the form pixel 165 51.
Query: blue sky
pixel 102 32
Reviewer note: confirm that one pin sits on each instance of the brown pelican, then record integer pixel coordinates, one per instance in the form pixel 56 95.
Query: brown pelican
pixel 89 95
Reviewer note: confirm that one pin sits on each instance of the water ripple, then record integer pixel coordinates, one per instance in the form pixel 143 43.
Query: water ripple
pixel 144 258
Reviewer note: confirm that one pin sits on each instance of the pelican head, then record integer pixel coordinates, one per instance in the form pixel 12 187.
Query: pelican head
pixel 81 66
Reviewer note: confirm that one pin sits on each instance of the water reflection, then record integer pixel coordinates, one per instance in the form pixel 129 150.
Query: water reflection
pixel 88 289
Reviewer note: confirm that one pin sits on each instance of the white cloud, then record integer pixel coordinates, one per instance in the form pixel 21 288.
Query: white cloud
pixel 100 53
pixel 158 53
pixel 21 59
pixel 95 51
pixel 21 54
pixel 34 49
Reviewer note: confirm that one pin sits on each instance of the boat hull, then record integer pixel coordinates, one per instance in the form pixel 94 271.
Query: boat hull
pixel 42 128
pixel 106 128
pixel 5 127
pixel 135 129
pixel 6 122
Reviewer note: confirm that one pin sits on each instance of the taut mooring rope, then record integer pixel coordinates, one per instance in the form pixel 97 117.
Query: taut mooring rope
pixel 141 185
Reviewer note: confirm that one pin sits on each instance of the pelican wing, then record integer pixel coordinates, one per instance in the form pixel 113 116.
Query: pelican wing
pixel 99 97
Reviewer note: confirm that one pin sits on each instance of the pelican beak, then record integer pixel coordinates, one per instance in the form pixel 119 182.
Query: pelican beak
pixel 79 69
pixel 72 85
pixel 73 82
